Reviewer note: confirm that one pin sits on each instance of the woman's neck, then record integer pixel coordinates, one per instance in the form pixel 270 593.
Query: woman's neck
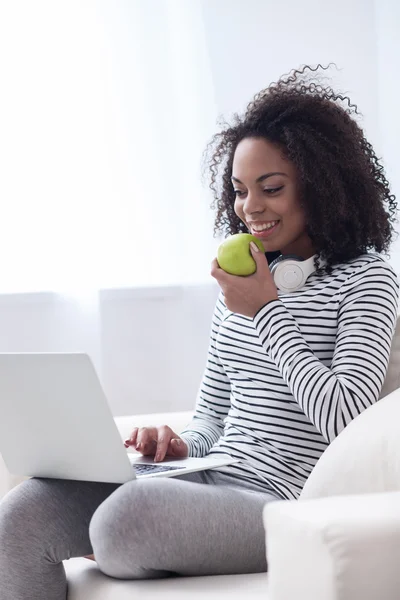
pixel 302 247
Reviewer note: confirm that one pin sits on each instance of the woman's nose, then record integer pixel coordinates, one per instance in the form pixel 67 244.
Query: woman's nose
pixel 254 203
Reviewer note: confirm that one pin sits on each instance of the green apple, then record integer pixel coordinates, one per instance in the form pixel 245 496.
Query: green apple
pixel 234 254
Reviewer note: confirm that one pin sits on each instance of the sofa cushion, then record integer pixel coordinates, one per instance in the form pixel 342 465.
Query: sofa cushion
pixel 86 582
pixel 364 458
pixel 392 380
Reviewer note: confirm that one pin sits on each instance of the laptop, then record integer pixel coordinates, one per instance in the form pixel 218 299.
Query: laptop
pixel 55 422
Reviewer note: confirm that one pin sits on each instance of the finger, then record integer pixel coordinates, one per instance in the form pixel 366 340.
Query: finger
pixel 164 437
pixel 131 441
pixel 216 271
pixel 259 257
pixel 142 438
pixel 255 251
pixel 149 448
pixel 215 264
pixel 177 447
pixel 215 268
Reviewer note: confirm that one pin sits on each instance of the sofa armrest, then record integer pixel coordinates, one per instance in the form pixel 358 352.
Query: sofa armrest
pixel 334 548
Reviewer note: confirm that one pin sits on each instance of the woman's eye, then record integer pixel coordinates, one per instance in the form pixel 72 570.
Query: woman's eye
pixel 273 190
pixel 238 193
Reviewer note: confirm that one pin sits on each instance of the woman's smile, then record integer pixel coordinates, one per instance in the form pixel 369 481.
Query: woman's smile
pixel 264 229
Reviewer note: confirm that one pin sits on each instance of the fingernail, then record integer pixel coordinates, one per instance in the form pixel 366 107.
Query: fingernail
pixel 177 442
pixel 138 446
pixel 254 247
pixel 157 457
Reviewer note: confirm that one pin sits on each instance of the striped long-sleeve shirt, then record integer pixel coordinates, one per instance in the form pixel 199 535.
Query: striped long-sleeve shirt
pixel 277 389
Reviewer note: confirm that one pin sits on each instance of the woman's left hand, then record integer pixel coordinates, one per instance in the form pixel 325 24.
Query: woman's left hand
pixel 246 295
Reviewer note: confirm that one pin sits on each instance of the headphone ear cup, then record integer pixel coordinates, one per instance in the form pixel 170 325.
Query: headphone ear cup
pixel 291 274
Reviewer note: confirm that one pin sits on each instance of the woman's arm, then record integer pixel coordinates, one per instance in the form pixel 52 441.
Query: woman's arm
pixel 332 397
pixel 213 399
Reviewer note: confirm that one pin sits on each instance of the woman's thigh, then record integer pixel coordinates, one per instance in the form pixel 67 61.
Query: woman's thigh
pixel 154 527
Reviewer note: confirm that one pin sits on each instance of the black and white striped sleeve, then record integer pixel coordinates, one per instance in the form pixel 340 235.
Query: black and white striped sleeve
pixel 213 399
pixel 332 397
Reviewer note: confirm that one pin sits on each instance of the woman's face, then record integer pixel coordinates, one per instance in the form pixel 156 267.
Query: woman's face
pixel 267 199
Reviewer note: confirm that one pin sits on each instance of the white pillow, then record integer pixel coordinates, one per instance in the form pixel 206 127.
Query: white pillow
pixel 392 381
pixel 364 458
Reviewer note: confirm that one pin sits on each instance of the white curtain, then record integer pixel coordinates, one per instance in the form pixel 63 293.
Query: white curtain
pixel 105 230
pixel 106 107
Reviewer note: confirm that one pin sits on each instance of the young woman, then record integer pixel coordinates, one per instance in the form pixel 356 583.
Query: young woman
pixel 286 372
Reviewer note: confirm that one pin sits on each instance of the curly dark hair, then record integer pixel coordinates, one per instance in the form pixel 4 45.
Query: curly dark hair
pixel 347 201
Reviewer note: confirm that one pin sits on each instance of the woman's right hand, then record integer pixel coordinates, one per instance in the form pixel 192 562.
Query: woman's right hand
pixel 158 442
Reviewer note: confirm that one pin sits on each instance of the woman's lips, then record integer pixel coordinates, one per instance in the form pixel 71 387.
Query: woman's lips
pixel 266 232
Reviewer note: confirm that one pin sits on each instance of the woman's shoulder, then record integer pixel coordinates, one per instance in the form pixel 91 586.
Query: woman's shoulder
pixel 363 259
pixel 369 265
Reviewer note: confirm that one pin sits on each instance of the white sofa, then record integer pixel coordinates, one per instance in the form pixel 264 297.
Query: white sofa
pixel 340 541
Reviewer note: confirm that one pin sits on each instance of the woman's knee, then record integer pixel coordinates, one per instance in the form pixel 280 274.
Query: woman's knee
pixel 25 511
pixel 126 520
pixel 121 511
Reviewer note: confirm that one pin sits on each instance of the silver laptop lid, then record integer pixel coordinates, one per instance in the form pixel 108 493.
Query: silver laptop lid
pixel 41 395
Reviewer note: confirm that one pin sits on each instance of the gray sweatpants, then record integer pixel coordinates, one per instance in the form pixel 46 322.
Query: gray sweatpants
pixel 198 524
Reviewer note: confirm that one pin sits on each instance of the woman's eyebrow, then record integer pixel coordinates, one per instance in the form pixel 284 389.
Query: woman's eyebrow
pixel 261 178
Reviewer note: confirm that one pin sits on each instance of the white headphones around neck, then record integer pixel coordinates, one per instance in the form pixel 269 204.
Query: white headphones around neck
pixel 291 272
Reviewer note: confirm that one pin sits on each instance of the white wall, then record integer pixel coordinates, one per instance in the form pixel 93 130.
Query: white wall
pixel 251 43
pixel 150 345
pixel 387 13
pixel 154 346
pixel 254 42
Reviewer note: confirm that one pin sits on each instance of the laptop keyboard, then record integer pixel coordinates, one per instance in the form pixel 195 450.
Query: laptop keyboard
pixel 147 469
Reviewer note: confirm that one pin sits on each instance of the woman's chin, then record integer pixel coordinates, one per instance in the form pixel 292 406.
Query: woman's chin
pixel 268 247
